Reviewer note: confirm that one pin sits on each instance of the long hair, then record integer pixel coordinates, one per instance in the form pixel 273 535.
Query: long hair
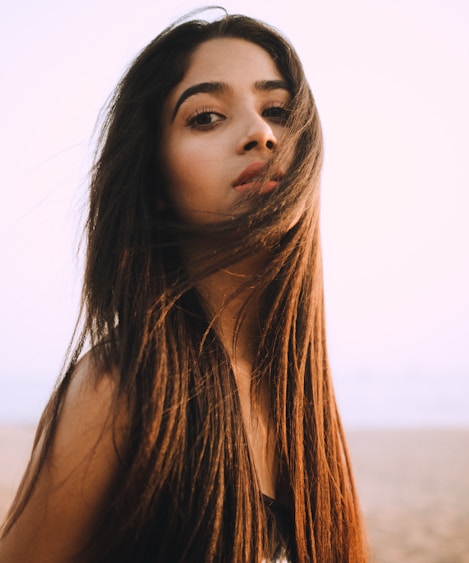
pixel 188 490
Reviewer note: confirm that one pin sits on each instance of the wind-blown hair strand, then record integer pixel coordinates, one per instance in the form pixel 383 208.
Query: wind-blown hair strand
pixel 188 490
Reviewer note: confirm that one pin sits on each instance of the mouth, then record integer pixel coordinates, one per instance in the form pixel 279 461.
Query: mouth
pixel 250 175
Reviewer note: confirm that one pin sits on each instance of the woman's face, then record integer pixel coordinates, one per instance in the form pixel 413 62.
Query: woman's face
pixel 221 125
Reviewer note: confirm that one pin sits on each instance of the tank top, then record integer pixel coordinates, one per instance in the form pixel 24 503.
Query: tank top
pixel 279 527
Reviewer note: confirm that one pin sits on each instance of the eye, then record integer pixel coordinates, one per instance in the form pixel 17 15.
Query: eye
pixel 277 114
pixel 204 119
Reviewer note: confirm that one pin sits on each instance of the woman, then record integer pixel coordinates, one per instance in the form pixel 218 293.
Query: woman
pixel 201 425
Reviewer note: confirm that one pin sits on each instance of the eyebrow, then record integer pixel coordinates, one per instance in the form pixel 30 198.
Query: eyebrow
pixel 222 87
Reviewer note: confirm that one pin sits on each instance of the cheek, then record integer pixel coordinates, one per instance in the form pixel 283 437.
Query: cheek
pixel 184 177
pixel 192 169
pixel 192 183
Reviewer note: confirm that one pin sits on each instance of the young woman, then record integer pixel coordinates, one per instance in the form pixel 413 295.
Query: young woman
pixel 201 425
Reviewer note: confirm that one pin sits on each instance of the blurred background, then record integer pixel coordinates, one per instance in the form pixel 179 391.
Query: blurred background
pixel 391 82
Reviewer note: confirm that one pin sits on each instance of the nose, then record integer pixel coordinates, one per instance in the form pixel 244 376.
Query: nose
pixel 257 136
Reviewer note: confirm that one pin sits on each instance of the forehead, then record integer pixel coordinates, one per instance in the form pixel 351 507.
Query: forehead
pixel 231 60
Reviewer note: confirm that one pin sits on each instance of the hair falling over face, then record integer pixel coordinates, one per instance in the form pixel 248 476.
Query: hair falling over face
pixel 187 489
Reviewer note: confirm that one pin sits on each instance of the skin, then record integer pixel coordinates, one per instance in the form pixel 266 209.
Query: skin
pixel 209 138
pixel 77 477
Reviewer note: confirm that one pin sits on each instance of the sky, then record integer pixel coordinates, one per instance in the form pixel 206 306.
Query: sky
pixel 391 82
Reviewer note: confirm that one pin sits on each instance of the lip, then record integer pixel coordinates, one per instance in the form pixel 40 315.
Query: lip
pixel 247 179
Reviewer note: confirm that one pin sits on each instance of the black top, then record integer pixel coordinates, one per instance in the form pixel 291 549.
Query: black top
pixel 279 530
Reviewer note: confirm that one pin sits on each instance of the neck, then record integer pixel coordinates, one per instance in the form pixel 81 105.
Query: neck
pixel 237 310
pixel 234 302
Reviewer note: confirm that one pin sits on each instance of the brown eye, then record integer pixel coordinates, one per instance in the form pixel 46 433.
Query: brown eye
pixel 204 119
pixel 278 114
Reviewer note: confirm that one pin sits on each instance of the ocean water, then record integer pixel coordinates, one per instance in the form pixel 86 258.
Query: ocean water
pixel 22 401
pixel 365 401
pixel 399 401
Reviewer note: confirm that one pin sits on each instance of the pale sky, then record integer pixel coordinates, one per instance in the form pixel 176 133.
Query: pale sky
pixel 391 82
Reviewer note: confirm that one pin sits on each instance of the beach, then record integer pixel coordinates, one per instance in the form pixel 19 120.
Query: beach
pixel 413 486
pixel 414 490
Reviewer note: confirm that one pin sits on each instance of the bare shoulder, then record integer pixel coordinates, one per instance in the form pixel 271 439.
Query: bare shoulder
pixel 91 403
pixel 79 472
pixel 92 422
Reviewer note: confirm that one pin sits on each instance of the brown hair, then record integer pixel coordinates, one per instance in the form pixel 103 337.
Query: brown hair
pixel 188 489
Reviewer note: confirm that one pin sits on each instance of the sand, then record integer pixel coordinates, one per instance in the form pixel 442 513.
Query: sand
pixel 413 486
pixel 414 490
